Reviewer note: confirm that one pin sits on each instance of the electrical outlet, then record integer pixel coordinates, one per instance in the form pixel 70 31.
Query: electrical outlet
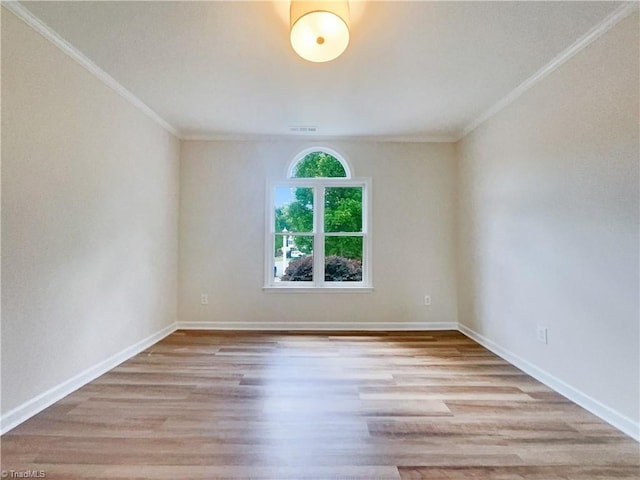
pixel 427 300
pixel 542 334
pixel 204 299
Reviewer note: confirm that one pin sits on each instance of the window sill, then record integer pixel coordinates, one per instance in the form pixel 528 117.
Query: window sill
pixel 290 289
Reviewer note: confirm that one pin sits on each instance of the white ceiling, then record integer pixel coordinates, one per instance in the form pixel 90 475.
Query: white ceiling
pixel 414 70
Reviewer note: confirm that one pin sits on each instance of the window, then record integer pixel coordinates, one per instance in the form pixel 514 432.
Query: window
pixel 318 226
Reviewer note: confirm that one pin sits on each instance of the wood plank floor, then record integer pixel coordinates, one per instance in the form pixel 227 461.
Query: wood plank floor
pixel 405 405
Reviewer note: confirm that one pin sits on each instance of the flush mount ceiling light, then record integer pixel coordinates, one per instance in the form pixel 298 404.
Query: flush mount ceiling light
pixel 320 29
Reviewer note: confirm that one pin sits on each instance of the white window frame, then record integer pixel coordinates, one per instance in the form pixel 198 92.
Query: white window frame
pixel 319 185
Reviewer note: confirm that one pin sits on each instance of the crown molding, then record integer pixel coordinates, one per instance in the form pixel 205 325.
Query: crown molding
pixel 233 137
pixel 43 29
pixel 596 32
pixel 587 39
pixel 416 138
pixel 221 137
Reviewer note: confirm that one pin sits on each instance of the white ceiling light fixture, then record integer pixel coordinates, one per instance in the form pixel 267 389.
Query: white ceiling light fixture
pixel 320 29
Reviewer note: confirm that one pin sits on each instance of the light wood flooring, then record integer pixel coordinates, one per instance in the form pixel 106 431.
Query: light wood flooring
pixel 405 405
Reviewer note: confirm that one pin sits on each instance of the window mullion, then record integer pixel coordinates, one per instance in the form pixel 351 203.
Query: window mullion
pixel 318 241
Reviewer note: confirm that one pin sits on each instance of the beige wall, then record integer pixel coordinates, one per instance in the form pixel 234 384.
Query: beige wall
pixel 222 229
pixel 549 223
pixel 89 219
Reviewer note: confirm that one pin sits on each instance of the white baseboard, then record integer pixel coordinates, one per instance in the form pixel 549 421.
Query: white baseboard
pixel 587 402
pixel 336 326
pixel 28 409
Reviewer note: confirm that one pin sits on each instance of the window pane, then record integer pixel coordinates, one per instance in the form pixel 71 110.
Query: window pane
pixel 343 209
pixel 318 164
pixel 343 259
pixel 293 209
pixel 293 258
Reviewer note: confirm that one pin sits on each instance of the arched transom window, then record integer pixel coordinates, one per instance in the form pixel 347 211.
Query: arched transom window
pixel 318 225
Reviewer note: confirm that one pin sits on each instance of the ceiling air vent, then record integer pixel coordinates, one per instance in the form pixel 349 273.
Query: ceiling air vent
pixel 303 129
